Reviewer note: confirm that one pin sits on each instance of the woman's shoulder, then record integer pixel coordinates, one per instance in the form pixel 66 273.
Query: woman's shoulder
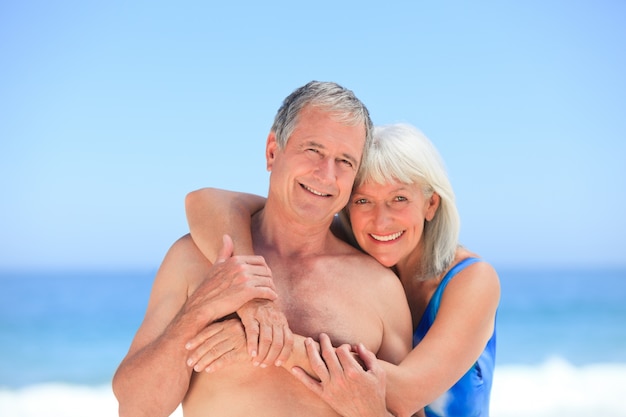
pixel 479 274
pixel 480 266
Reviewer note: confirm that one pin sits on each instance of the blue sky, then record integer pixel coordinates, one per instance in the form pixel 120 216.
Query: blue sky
pixel 110 112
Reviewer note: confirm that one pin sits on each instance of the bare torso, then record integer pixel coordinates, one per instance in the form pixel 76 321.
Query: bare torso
pixel 339 295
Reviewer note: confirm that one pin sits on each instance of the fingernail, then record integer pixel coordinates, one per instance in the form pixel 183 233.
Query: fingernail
pixel 188 346
pixel 253 353
pixel 263 365
pixel 189 362
pixel 255 363
pixel 278 363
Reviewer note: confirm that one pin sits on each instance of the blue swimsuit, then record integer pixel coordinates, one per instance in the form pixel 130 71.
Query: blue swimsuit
pixel 470 395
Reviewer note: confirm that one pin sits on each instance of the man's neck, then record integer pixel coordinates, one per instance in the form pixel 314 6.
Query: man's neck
pixel 289 237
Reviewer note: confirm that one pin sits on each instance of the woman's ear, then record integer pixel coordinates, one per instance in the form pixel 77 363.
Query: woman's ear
pixel 432 205
pixel 270 150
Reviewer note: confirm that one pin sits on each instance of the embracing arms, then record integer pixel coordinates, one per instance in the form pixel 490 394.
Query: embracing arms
pixel 231 212
pixel 234 211
pixel 463 326
pixel 187 295
pixel 213 213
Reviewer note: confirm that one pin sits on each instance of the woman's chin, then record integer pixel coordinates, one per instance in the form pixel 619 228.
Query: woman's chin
pixel 385 260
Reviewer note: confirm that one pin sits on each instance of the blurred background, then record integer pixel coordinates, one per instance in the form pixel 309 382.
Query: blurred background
pixel 110 113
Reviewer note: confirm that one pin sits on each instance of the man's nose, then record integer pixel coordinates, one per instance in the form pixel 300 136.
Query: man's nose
pixel 326 170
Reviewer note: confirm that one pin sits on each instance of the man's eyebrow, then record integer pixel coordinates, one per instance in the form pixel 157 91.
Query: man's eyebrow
pixel 346 156
pixel 351 159
pixel 314 144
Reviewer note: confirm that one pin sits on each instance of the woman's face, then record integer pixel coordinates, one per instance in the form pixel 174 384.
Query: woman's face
pixel 388 219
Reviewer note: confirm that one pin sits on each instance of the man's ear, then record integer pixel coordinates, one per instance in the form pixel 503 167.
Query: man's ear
pixel 270 150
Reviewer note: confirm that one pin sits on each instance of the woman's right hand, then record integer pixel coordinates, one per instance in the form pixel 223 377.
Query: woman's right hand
pixel 268 336
pixel 232 282
pixel 243 284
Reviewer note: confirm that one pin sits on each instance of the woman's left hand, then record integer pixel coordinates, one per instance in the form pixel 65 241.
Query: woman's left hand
pixel 351 386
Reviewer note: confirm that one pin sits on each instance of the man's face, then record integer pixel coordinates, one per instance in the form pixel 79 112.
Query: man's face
pixel 313 175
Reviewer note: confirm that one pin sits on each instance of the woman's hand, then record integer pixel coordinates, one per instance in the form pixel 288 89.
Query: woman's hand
pixel 232 282
pixel 268 337
pixel 351 386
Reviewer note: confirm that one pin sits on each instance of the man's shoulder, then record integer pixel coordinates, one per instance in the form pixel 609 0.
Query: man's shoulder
pixel 186 243
pixel 366 265
pixel 184 252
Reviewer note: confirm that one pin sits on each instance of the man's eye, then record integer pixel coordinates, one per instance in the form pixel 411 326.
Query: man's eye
pixel 360 201
pixel 347 163
pixel 401 198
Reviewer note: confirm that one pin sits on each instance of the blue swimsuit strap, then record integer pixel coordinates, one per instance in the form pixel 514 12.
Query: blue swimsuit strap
pixel 451 273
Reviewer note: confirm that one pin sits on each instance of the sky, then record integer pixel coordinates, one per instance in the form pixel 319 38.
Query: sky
pixel 111 112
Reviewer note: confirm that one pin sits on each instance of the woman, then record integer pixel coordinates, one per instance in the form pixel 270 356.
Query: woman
pixel 402 212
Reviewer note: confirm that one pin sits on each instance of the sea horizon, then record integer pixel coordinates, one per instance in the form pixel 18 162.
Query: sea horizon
pixel 561 340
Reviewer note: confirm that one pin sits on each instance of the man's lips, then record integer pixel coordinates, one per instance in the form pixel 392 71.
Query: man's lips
pixel 314 191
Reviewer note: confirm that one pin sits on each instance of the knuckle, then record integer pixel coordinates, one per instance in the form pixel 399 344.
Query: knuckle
pixel 265 338
pixel 277 344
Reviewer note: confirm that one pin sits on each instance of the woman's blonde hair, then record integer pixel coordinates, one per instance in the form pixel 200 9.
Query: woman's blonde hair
pixel 400 152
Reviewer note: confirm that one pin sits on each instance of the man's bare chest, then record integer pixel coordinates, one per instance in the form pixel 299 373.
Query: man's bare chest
pixel 329 300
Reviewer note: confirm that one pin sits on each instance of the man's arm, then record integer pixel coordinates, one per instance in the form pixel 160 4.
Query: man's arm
pixel 223 343
pixel 187 295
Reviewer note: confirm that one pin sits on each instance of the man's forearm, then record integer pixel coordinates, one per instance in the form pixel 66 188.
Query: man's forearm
pixel 154 380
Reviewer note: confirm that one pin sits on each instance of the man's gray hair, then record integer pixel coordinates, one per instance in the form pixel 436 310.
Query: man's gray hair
pixel 344 106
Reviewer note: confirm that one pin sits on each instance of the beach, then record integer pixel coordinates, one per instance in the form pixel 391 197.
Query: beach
pixel 561 341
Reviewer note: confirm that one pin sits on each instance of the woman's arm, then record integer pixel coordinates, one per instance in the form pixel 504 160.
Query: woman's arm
pixel 212 213
pixel 187 295
pixel 464 324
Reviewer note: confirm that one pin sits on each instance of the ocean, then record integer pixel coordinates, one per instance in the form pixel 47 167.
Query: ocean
pixel 561 341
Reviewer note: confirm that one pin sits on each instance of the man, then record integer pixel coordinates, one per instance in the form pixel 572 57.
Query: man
pixel 321 284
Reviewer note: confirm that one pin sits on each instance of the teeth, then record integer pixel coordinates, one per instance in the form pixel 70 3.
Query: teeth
pixel 387 238
pixel 311 190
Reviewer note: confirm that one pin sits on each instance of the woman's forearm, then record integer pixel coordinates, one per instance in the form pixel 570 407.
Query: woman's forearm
pixel 298 357
pixel 401 398
pixel 212 213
